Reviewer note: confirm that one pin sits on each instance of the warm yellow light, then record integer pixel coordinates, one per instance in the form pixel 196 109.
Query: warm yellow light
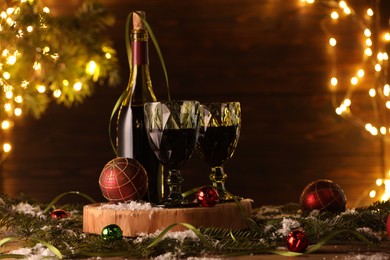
pixel 30 28
pixel 10 21
pixel 18 99
pixel 370 12
pixel 77 86
pixel 334 15
pixel 7 107
pixel 41 88
pixel 383 130
pixel 374 131
pixel 37 66
pixel 369 42
pixel 46 10
pixel 378 67
pixel 372 194
pixel 347 10
pixel 46 49
pixel 310 1
pixel 368 52
pixel 360 73
pixel 3 15
pixel 65 82
pixel 11 60
pixel 6 75
pixel 10 10
pixel 342 4
pixel 57 93
pixel 368 126
pixel 354 81
pixel 387 36
pixel 5 52
pixel 339 111
pixel 385 56
pixel 367 32
pixel 333 81
pixel 347 102
pixel 379 56
pixel 9 94
pixel 386 90
pixel 18 111
pixel 5 124
pixel 7 147
pixel 332 42
pixel 108 56
pixel 388 104
pixel 386 194
pixel 24 84
pixel 372 92
pixel 91 67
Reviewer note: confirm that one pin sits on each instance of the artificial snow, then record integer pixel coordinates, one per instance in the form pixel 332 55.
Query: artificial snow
pixel 38 252
pixel 131 205
pixel 178 235
pixel 368 256
pixel 28 209
pixel 288 224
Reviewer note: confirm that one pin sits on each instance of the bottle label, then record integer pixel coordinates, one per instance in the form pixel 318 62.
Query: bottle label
pixel 140 52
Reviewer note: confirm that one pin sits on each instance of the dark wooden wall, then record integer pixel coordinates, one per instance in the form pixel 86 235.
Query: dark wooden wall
pixel 268 54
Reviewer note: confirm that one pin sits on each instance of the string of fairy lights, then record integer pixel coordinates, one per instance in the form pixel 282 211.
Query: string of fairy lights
pixel 370 74
pixel 44 58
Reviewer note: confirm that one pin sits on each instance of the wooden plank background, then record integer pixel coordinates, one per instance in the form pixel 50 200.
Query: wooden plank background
pixel 270 55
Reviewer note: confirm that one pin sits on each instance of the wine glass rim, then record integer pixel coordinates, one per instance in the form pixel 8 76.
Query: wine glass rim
pixel 220 102
pixel 173 101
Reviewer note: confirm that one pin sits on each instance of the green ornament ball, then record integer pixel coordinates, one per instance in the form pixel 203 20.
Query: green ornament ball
pixel 112 232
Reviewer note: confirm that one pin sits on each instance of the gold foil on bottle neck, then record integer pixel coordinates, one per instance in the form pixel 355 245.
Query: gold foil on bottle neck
pixel 139 35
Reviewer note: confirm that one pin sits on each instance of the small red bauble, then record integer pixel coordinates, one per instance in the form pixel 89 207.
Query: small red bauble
pixel 123 179
pixel 297 241
pixel 207 196
pixel 323 195
pixel 59 214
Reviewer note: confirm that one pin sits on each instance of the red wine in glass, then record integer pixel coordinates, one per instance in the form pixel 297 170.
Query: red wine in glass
pixel 219 131
pixel 173 147
pixel 172 129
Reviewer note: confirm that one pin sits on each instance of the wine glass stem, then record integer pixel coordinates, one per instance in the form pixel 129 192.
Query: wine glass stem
pixel 218 177
pixel 175 181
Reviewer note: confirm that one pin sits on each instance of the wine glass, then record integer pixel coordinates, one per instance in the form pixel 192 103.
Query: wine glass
pixel 219 131
pixel 172 128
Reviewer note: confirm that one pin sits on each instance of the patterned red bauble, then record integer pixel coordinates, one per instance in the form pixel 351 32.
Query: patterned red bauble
pixel 207 196
pixel 123 179
pixel 323 195
pixel 297 241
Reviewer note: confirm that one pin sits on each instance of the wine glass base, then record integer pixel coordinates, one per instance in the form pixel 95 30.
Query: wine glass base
pixel 225 196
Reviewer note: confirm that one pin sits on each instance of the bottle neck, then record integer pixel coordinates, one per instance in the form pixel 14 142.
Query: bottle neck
pixel 140 84
pixel 139 47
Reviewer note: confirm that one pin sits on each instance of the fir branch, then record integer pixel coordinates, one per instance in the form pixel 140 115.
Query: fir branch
pixel 363 225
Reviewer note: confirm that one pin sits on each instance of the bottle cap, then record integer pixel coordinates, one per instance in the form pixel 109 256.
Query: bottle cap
pixel 137 21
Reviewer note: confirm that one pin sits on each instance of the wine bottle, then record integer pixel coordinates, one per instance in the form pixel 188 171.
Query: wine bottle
pixel 132 138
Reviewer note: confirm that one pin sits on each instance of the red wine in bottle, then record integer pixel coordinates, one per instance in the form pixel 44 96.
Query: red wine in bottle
pixel 132 138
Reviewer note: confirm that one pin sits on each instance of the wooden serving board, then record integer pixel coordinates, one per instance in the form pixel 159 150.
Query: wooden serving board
pixel 134 222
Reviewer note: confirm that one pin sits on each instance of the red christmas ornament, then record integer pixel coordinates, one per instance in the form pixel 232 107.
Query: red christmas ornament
pixel 297 241
pixel 323 195
pixel 123 179
pixel 207 196
pixel 59 214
